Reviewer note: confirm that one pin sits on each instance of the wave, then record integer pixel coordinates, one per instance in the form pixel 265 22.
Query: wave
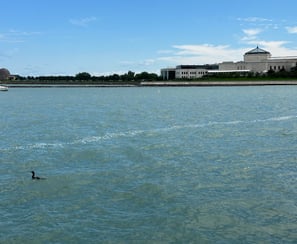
pixel 135 133
pixel 107 136
pixel 41 145
pixel 282 118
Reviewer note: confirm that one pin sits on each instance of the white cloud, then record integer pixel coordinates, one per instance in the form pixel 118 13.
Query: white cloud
pixel 252 32
pixel 202 54
pixel 164 51
pixel 276 48
pixel 257 25
pixel 23 33
pixel 208 54
pixel 146 62
pixel 200 50
pixel 82 22
pixel 251 36
pixel 254 19
pixel 16 36
pixel 292 30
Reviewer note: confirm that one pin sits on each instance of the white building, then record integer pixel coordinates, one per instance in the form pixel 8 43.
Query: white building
pixel 190 71
pixel 187 71
pixel 256 60
pixel 168 73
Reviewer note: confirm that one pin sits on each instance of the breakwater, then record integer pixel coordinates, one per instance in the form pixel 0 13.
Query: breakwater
pixel 159 83
pixel 218 83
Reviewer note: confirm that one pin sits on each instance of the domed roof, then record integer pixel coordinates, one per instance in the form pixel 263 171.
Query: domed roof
pixel 257 50
pixel 4 74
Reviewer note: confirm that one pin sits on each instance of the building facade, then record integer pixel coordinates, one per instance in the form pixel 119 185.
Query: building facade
pixel 187 71
pixel 256 60
pixel 168 73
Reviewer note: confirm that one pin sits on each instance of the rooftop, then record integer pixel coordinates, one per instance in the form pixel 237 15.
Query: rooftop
pixel 202 66
pixel 257 50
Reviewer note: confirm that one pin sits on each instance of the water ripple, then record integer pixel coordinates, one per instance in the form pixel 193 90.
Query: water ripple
pixel 135 133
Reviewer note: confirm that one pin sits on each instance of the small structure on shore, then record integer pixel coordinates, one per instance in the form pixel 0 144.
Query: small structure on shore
pixel 4 74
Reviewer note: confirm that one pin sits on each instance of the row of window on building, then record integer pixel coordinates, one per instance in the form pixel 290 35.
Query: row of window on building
pixel 271 67
pixel 277 67
pixel 192 73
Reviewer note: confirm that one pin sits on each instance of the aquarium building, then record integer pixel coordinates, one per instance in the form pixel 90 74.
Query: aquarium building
pixel 256 60
pixel 187 71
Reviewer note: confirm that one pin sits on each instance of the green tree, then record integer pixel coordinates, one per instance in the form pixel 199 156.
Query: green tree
pixel 146 76
pixel 294 69
pixel 128 76
pixel 131 75
pixel 83 76
pixel 115 77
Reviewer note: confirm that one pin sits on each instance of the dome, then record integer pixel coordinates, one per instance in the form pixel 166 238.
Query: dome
pixel 4 74
pixel 257 50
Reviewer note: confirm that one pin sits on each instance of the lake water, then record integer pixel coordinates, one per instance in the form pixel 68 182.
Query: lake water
pixel 149 165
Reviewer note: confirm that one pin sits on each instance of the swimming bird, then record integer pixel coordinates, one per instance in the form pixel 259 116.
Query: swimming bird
pixel 36 177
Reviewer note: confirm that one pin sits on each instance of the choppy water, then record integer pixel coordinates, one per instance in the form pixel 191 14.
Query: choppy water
pixel 149 165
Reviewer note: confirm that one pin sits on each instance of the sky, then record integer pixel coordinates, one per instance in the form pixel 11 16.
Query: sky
pixel 63 37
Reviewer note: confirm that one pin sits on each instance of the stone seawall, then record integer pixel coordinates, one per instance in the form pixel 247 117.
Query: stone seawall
pixel 217 83
pixel 160 83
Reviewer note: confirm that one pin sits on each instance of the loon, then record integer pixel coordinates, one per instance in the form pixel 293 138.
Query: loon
pixel 36 177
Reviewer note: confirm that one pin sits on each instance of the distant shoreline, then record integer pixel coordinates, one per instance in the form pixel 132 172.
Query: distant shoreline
pixel 160 84
pixel 219 83
pixel 66 86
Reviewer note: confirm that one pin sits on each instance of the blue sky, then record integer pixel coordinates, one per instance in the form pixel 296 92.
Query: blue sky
pixel 62 37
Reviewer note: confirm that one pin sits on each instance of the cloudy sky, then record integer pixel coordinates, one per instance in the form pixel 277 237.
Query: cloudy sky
pixel 62 37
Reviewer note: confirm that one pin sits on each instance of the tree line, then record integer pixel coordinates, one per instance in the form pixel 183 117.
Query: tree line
pixel 133 78
pixel 283 73
pixel 85 77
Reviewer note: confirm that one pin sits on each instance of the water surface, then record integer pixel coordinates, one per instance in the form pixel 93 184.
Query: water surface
pixel 149 165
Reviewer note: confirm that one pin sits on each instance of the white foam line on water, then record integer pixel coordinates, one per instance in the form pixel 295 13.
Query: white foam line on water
pixel 107 136
pixel 134 133
pixel 41 145
pixel 281 118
